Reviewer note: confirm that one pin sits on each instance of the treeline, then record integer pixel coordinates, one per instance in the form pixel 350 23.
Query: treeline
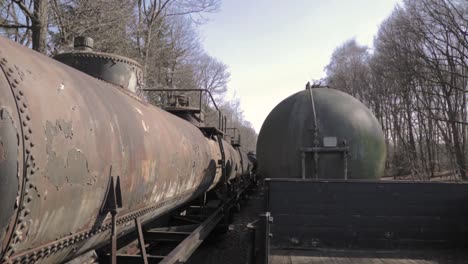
pixel 415 80
pixel 160 34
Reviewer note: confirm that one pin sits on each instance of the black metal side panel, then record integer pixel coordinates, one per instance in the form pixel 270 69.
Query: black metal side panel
pixel 367 214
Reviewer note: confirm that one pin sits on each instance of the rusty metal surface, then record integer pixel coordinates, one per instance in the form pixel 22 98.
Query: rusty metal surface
pixel 245 163
pixel 252 156
pixel 185 249
pixel 11 152
pixel 111 68
pixel 9 186
pixel 72 129
pixel 233 162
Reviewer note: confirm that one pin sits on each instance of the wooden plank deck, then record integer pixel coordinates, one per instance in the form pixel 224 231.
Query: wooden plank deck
pixel 364 257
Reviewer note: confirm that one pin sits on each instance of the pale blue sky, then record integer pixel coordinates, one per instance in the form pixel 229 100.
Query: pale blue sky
pixel 272 48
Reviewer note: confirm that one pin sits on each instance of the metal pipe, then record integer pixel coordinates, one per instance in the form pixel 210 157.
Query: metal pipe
pixel 303 156
pixel 200 102
pixel 225 124
pixel 141 241
pixel 313 109
pixel 113 255
pixel 219 121
pixel 315 143
pixel 345 160
pixel 234 136
pixel 251 228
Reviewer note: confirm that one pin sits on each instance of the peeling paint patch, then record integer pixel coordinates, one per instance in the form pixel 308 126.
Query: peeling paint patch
pixel 55 169
pixel 52 131
pixel 72 170
pixel 66 128
pixel 64 166
pixel 77 167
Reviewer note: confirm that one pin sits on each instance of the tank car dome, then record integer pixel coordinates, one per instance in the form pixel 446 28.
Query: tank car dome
pixel 114 69
pixel 349 144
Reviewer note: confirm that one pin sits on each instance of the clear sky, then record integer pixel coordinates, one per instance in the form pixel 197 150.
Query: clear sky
pixel 272 47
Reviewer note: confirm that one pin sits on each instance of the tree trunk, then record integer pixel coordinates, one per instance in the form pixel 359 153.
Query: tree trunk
pixel 39 26
pixel 460 158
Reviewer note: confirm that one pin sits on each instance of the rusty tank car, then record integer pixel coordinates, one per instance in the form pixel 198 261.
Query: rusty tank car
pixel 66 138
pixel 321 133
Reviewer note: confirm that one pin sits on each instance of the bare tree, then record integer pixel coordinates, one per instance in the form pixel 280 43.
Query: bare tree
pixel 348 69
pixel 235 117
pixel 153 13
pixel 26 21
pixel 212 75
pixel 106 21
pixel 415 81
pixel 160 34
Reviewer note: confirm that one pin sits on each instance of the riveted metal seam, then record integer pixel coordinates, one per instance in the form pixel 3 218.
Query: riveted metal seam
pixel 29 166
pixel 58 245
pixel 24 119
pixel 103 56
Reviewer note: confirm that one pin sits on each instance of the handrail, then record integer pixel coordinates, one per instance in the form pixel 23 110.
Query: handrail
pixel 234 136
pixel 222 120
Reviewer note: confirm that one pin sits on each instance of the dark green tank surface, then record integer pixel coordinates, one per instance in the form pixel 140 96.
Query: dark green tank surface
pixel 350 143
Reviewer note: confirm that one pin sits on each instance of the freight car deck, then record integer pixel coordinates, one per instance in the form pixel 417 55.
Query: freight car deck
pixel 360 257
pixel 337 221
